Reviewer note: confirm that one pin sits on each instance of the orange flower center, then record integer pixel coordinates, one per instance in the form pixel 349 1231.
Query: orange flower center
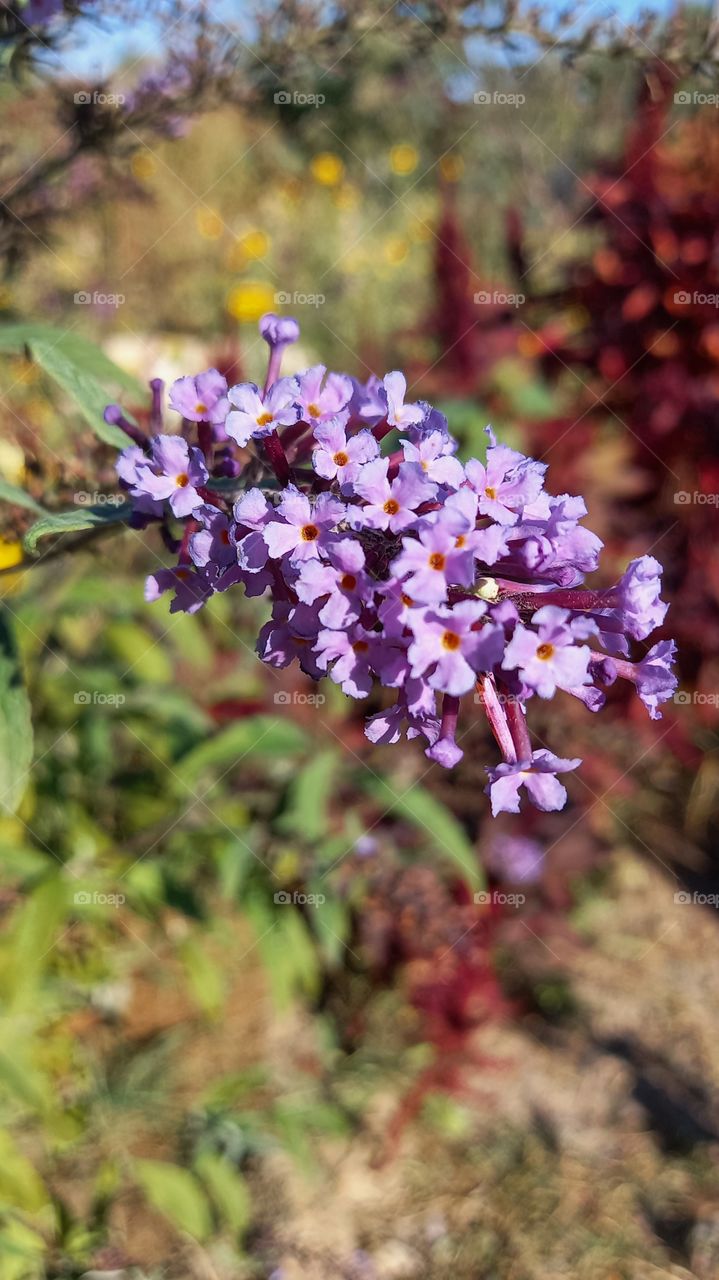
pixel 340 459
pixel 360 646
pixel 391 506
pixel 264 419
pixel 182 480
pixel 450 640
pixel 490 492
pixel 314 410
pixel 348 582
pixel 545 651
pixel 310 532
pixel 407 600
pixel 200 407
pixel 437 561
pixel 461 540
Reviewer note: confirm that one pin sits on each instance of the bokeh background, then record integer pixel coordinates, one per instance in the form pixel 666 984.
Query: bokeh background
pixel 384 1077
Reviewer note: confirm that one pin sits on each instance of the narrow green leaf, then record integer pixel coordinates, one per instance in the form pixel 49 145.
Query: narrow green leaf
pixel 256 735
pixel 83 371
pixel 76 521
pixel 306 813
pixel 432 818
pixel 18 497
pixel 227 1189
pixel 175 1193
pixel 16 737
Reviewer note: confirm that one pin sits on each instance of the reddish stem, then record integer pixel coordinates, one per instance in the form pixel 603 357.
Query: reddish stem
pixel 497 718
pixel 276 456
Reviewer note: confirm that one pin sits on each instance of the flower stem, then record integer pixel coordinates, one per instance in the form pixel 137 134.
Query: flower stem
pixel 276 456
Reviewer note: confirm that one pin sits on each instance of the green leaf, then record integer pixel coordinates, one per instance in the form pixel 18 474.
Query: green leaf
pixel 83 371
pixel 35 932
pixel 175 1193
pixel 205 977
pixel 16 738
pixel 256 735
pixel 18 497
pixel 227 1189
pixel 421 809
pixel 20 1185
pixel 75 522
pixel 306 813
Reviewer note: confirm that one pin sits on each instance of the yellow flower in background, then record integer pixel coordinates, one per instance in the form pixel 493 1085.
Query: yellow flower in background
pixel 248 248
pixel 451 167
pixel 249 300
pixel 403 159
pixel 327 169
pixel 209 223
pixel 11 554
pixel 12 462
pixel 143 165
pixel 255 244
pixel 395 250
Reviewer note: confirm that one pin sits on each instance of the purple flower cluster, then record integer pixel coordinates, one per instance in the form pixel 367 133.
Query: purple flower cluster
pixel 409 570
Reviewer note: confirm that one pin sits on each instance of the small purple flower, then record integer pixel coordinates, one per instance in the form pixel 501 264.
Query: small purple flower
pixel 338 457
pixel 320 403
pixel 538 775
pixel 400 414
pixel 434 454
pixel 174 472
pixel 449 649
pixel 548 659
pixel 639 599
pixel 654 677
pixel 342 579
pixel 303 529
pixel 390 504
pixel 255 415
pixel 507 484
pixel 369 401
pixel 432 562
pixel 191 589
pixel 213 544
pixel 201 399
pixel 350 651
pixel 133 467
pixel 278 331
